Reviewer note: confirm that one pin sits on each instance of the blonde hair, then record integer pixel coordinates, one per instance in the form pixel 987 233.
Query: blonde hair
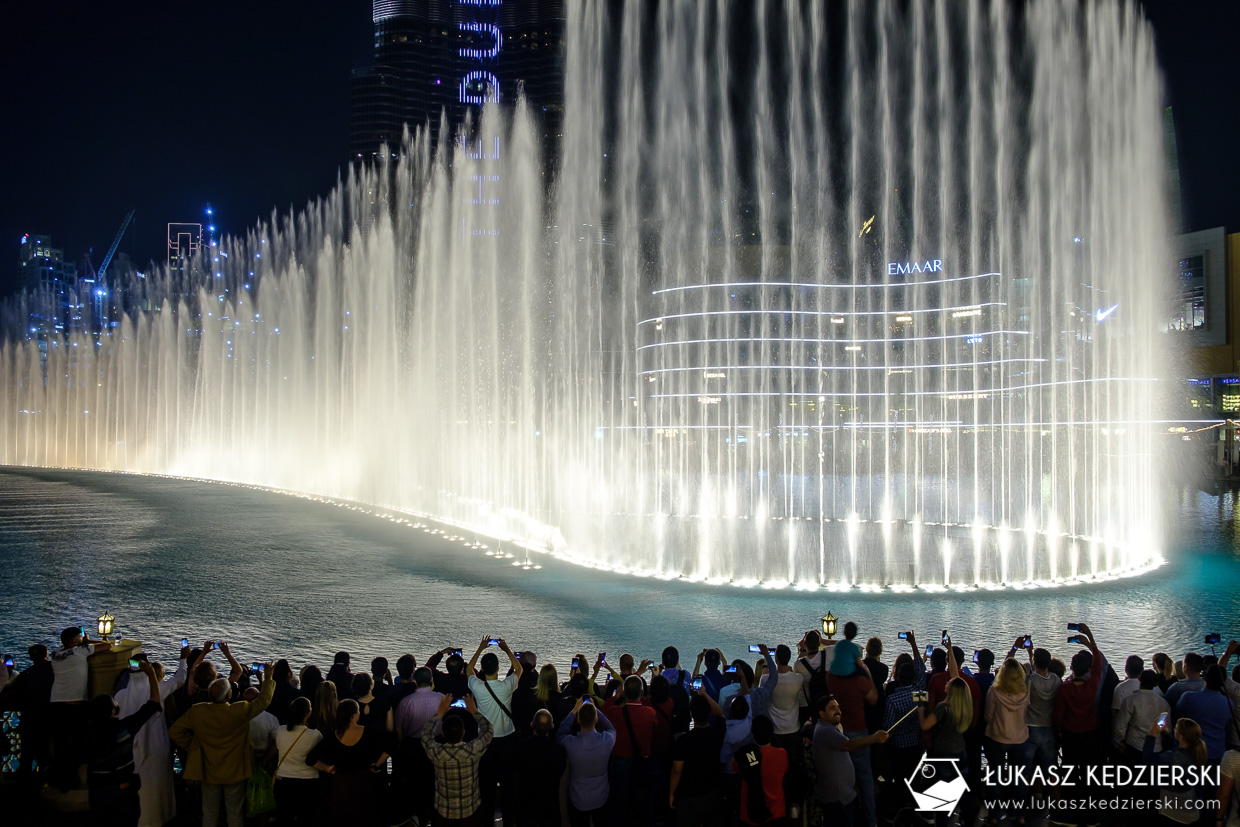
pixel 1011 679
pixel 325 708
pixel 959 704
pixel 548 683
pixel 1190 731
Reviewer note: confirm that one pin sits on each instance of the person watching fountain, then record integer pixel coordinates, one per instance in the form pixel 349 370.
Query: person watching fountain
pixel 541 762
pixel 1076 706
pixel 1191 682
pixel 458 791
pixel 812 667
pixel 1139 710
pixel 834 791
pixel 112 778
pixel 411 768
pixel 355 761
pixel 784 713
pixel 340 675
pixel 695 777
pixel 493 697
pixel 633 774
pixel 67 702
pixel 846 656
pixel 296 783
pixel 1211 709
pixel 1007 728
pixel 216 736
pixel 588 753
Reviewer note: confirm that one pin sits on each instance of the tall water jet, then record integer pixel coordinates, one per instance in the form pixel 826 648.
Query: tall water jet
pixel 833 294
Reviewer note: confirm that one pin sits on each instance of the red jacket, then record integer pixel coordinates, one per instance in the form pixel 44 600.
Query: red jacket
pixel 1076 704
pixel 643 718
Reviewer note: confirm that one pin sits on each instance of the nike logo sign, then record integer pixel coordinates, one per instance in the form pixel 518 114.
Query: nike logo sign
pixel 1101 315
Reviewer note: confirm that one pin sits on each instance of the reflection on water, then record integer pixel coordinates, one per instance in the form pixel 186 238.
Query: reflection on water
pixel 282 576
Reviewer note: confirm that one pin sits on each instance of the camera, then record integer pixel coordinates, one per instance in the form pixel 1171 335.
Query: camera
pixel 697 682
pixel 256 668
pixel 457 652
pixel 602 657
pixel 921 697
pixel 904 636
pixel 1028 641
pixel 585 699
pixel 576 664
pixel 1214 638
pixel 1162 719
pixel 133 665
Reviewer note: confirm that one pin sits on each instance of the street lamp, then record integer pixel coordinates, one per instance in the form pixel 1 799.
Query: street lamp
pixel 106 622
pixel 828 625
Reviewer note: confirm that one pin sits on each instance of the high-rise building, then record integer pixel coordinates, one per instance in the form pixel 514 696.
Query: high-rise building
pixel 446 57
pixel 43 266
pixel 183 241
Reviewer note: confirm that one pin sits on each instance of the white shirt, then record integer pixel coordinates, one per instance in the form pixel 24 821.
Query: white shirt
pixel 486 705
pixel 262 728
pixel 785 704
pixel 70 673
pixel 293 752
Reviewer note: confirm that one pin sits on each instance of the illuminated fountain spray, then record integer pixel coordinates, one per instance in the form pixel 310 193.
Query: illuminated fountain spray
pixel 822 295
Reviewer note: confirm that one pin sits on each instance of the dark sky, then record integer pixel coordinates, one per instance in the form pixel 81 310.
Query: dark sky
pixel 164 107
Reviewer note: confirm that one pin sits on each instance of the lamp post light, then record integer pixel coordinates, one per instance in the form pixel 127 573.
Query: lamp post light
pixel 828 625
pixel 106 625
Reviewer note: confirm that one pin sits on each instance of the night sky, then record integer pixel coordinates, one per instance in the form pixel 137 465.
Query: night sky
pixel 164 107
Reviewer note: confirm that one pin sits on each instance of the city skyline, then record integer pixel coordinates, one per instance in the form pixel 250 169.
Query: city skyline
pixel 265 114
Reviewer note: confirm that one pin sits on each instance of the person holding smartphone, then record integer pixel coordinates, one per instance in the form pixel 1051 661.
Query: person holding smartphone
pixel 493 696
pixel 68 702
pixel 589 751
pixel 1137 712
pixel 112 779
pixel 455 761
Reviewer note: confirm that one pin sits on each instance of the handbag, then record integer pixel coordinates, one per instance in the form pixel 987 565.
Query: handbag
pixel 260 790
pixel 260 793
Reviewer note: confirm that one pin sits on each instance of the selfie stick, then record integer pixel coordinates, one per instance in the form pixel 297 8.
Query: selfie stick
pixel 902 717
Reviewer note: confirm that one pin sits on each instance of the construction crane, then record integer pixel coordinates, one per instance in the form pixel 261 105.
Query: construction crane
pixel 116 242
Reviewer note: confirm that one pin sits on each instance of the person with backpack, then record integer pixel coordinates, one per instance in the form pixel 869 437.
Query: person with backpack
pixel 493 697
pixel 812 667
pixel 762 768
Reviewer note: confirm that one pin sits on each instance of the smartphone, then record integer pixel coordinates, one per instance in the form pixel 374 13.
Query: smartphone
pixel 517 655
pixel 753 647
pixel 1074 627
pixel 255 668
pixel 459 703
pixel 976 652
pixel 1075 639
pixel 1214 638
pixel 133 665
pixel 602 657
pixel 493 642
pixel 82 631
pixel 1162 719
pixel 697 682
pixel 457 652
pixel 731 669
pixel 904 636
pixel 184 643
pixel 1028 641
pixel 8 661
pixel 585 699
pixel 944 637
pixel 929 649
pixel 576 665
pixel 921 697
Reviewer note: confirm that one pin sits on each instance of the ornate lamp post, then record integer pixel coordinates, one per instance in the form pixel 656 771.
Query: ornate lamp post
pixel 828 625
pixel 106 624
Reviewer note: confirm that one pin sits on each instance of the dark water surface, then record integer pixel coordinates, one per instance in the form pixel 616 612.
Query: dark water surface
pixel 282 576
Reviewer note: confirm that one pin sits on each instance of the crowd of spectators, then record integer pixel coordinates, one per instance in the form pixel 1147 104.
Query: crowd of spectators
pixel 821 733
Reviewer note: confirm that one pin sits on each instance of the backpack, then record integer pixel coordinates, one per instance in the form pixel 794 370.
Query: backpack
pixel 817 684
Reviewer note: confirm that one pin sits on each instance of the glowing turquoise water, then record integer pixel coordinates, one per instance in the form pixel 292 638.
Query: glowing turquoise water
pixel 283 576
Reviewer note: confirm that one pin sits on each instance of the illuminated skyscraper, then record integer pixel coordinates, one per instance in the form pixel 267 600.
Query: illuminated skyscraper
pixel 435 57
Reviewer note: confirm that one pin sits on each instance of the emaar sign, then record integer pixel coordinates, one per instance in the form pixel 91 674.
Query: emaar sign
pixel 900 268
